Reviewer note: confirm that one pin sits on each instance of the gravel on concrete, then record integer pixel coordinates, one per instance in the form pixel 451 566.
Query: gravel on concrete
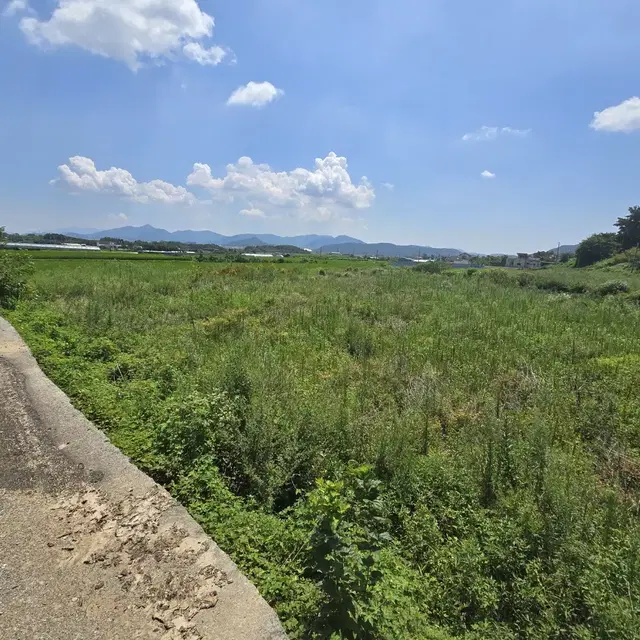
pixel 90 547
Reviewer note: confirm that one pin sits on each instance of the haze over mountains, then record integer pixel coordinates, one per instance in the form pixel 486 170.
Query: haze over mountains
pixel 326 244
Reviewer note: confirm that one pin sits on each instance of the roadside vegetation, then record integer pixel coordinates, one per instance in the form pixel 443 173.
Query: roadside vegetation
pixel 386 453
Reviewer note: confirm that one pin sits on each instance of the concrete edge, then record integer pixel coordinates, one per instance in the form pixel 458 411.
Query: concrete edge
pixel 241 612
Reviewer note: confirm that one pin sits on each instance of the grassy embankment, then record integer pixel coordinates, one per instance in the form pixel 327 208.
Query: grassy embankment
pixel 387 454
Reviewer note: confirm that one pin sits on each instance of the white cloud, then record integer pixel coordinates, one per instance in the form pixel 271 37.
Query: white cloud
pixel 255 94
pixel 253 212
pixel 624 117
pixel 81 175
pixel 15 6
pixel 485 134
pixel 127 30
pixel 388 186
pixel 212 56
pixel 118 217
pixel 320 194
pixel 487 174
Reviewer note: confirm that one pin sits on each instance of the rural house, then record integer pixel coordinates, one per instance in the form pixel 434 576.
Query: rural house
pixel 523 261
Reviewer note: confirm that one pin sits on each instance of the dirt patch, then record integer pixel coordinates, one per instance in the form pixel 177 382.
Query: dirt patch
pixel 165 570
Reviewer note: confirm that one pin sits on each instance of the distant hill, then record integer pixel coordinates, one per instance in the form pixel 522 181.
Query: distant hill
pixel 565 248
pixel 245 241
pixel 73 231
pixel 388 250
pixel 149 233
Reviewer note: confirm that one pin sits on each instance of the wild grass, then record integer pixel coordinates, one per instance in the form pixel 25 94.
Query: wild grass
pixel 386 453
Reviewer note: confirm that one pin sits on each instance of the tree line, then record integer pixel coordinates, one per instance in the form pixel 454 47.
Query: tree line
pixel 601 246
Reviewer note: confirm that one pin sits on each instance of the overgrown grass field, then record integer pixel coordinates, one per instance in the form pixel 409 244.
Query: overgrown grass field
pixel 387 454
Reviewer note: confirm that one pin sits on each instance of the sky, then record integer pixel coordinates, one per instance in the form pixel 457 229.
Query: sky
pixel 504 126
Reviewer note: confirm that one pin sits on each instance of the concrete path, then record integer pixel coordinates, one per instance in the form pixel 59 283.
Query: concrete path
pixel 90 547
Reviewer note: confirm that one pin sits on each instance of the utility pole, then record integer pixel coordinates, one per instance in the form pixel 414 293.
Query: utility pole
pixel 558 253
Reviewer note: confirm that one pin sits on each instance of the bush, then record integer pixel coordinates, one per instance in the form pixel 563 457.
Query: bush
pixel 599 246
pixel 15 269
pixel 525 279
pixel 553 284
pixel 498 276
pixel 559 286
pixel 430 267
pixel 198 426
pixel 347 516
pixel 612 288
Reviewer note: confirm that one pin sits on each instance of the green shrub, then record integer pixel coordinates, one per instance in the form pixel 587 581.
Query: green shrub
pixel 612 288
pixel 15 269
pixel 197 426
pixel 525 279
pixel 431 267
pixel 347 517
pixel 599 246
pixel 498 276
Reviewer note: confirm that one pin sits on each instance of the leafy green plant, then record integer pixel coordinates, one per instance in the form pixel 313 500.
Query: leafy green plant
pixel 347 536
pixel 15 269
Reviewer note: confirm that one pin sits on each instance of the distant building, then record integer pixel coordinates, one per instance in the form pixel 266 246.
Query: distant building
pixel 258 255
pixel 33 245
pixel 409 262
pixel 466 264
pixel 167 253
pixel 523 261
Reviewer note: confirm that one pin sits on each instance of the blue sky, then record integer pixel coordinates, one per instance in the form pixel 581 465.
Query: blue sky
pixel 110 110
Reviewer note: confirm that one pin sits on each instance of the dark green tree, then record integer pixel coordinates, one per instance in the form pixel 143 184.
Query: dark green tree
pixel 629 229
pixel 599 246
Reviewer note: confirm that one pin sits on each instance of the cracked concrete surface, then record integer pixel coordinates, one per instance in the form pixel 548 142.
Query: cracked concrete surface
pixel 90 547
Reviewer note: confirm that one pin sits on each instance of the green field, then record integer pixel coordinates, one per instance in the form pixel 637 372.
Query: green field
pixel 387 454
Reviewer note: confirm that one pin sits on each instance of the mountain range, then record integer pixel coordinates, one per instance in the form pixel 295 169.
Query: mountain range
pixel 148 233
pixel 317 243
pixel 388 250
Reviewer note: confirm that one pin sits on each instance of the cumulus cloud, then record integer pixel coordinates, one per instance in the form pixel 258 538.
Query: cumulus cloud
pixel 81 175
pixel 14 7
pixel 487 174
pixel 255 94
pixel 127 30
pixel 486 134
pixel 253 212
pixel 388 186
pixel 624 117
pixel 212 56
pixel 320 194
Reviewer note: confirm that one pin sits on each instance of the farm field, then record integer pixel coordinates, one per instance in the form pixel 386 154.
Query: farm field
pixel 387 454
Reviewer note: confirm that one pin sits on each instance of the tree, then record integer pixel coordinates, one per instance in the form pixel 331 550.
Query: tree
pixel 599 246
pixel 629 229
pixel 3 235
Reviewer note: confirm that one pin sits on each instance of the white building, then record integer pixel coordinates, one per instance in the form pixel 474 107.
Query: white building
pixel 523 261
pixel 33 245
